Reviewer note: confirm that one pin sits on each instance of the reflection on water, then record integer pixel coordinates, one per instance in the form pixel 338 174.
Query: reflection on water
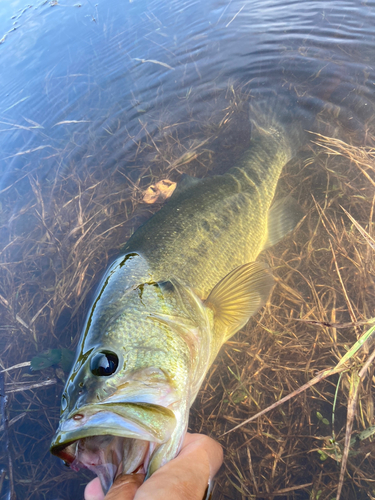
pixel 99 101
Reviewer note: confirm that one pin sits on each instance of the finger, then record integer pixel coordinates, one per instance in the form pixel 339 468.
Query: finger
pixel 186 477
pixel 125 487
pixel 213 449
pixel 93 490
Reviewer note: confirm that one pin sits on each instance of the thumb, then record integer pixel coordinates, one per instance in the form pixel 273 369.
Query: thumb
pixel 125 487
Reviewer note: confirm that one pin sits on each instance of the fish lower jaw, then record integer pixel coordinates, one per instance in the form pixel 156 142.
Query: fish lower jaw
pixel 111 456
pixel 115 439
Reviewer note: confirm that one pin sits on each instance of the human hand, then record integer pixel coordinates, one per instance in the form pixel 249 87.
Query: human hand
pixel 184 478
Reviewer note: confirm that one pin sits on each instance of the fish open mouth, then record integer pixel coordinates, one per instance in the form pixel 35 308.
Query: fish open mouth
pixel 113 439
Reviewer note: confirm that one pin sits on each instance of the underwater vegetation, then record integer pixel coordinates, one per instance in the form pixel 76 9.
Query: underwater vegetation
pixel 317 328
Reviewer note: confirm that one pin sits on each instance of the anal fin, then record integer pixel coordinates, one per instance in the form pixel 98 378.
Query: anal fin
pixel 239 295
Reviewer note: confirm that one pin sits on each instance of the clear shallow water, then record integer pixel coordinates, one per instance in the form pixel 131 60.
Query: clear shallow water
pixel 106 71
pixel 116 96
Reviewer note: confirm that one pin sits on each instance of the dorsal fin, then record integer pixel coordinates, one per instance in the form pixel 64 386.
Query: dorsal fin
pixel 283 217
pixel 185 182
pixel 239 295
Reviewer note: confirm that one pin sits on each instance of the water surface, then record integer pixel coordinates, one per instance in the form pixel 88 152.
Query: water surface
pixel 99 100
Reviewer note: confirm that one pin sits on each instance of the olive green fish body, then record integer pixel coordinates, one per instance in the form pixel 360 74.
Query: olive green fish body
pixel 187 281
pixel 216 224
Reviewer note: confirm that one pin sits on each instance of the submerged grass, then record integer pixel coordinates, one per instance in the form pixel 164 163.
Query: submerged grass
pixel 296 409
pixel 290 396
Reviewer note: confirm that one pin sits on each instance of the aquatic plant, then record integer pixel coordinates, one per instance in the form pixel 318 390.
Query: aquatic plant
pixel 313 341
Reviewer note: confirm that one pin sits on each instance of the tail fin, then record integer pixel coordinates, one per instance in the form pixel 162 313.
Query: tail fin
pixel 281 117
pixel 277 134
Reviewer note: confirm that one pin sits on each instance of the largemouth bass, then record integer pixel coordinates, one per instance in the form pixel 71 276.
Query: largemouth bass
pixel 187 281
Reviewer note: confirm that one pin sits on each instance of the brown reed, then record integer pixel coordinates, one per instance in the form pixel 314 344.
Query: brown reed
pixel 54 249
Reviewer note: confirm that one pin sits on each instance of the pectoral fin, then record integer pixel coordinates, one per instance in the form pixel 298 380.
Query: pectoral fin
pixel 283 217
pixel 239 295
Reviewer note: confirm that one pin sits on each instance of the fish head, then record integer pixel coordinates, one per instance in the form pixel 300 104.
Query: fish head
pixel 143 353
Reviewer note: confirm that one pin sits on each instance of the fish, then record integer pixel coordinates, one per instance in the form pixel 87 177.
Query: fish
pixel 185 283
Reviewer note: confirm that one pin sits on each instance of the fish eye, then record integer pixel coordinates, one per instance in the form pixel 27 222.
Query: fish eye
pixel 104 363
